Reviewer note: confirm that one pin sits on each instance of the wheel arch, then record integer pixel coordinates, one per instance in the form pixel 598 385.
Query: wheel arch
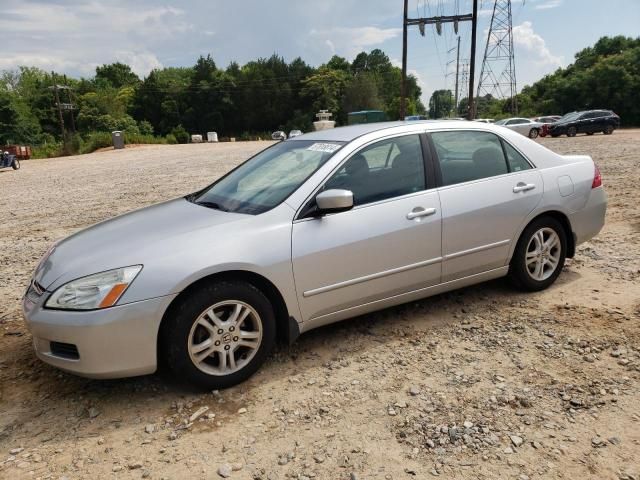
pixel 564 221
pixel 287 329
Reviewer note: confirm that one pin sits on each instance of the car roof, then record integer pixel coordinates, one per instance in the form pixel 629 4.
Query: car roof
pixel 351 132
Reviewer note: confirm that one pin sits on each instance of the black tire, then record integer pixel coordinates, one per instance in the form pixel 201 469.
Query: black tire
pixel 15 164
pixel 533 133
pixel 177 326
pixel 518 270
pixel 571 131
pixel 589 133
pixel 608 130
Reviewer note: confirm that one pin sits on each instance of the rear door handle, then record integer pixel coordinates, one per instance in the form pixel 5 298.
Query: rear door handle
pixel 420 212
pixel 523 187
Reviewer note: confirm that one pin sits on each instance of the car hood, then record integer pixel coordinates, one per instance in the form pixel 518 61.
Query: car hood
pixel 129 239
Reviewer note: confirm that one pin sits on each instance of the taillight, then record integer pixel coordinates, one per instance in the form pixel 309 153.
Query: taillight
pixel 597 178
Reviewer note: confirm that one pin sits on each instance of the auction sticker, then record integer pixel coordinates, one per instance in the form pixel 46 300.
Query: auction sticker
pixel 324 147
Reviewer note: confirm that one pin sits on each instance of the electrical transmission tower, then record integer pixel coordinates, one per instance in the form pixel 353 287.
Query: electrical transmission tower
pixel 498 74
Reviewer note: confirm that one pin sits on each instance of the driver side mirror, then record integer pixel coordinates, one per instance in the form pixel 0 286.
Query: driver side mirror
pixel 333 201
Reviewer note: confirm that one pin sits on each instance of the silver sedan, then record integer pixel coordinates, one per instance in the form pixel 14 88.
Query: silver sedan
pixel 529 128
pixel 313 230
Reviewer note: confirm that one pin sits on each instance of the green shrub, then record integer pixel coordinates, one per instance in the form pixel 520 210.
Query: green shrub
pixel 95 140
pixel 171 139
pixel 182 136
pixel 47 150
pixel 145 127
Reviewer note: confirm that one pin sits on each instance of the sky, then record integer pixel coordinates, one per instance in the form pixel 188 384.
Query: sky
pixel 75 36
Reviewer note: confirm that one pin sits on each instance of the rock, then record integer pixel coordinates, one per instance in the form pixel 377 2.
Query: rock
pixel 391 412
pixel 225 470
pixel 400 404
pixel 516 440
pixel 623 361
pixel 597 442
pixel 134 465
pixel 242 410
pixel 16 451
pixel 318 458
pixel 414 391
pixel 150 428
pixel 508 450
pixel 614 440
pixel 198 413
pixel 468 424
pixel 117 468
pixel 283 460
pixel 236 467
pixel 93 412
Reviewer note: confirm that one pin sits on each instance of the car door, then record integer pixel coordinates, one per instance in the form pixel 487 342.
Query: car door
pixel 487 190
pixel 388 244
pixel 584 124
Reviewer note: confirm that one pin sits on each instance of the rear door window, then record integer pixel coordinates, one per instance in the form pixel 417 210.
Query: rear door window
pixel 465 156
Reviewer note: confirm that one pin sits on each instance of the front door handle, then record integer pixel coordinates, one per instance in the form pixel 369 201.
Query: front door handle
pixel 523 187
pixel 420 212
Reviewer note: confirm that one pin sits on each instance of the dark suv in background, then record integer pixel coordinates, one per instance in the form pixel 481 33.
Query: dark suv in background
pixel 588 122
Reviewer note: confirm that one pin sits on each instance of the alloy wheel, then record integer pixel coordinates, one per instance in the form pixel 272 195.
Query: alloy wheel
pixel 543 254
pixel 225 337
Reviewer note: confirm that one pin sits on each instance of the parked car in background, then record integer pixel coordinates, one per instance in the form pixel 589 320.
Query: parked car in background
pixel 524 126
pixel 319 228
pixel 589 122
pixel 295 133
pixel 546 121
pixel 484 120
pixel 279 135
pixel 413 118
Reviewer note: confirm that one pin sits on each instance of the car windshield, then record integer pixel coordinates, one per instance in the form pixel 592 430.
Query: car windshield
pixel 501 122
pixel 266 179
pixel 570 116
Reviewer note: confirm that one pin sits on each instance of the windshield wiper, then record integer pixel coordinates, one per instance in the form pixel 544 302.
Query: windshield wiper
pixel 213 205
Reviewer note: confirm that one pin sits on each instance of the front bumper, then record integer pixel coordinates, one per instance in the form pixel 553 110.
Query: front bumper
pixel 116 342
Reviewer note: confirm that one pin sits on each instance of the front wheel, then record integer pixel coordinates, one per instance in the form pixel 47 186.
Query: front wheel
pixel 608 130
pixel 15 164
pixel 219 335
pixel 533 133
pixel 571 132
pixel 539 255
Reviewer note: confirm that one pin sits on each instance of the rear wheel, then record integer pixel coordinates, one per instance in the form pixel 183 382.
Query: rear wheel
pixel 539 255
pixel 15 164
pixel 608 130
pixel 219 335
pixel 533 133
pixel 571 132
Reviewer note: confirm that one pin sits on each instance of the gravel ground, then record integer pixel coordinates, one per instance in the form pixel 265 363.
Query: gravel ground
pixel 481 383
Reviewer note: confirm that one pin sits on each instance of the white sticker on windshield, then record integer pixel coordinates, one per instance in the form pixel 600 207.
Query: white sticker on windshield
pixel 324 147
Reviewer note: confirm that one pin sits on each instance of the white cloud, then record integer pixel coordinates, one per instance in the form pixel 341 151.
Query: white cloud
pixel 353 40
pixel 525 38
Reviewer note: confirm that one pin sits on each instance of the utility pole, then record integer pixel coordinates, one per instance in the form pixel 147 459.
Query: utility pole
pixel 437 21
pixel 403 85
pixel 457 73
pixel 59 105
pixel 472 61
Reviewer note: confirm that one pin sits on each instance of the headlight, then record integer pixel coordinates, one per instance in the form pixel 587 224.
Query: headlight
pixel 101 290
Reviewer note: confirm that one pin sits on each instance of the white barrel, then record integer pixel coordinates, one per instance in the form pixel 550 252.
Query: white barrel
pixel 212 137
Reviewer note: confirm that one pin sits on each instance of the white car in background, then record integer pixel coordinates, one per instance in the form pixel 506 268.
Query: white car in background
pixel 525 126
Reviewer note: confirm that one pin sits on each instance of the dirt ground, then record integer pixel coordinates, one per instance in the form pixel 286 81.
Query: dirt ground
pixel 481 383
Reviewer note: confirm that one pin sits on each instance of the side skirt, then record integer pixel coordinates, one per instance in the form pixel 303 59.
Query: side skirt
pixel 402 298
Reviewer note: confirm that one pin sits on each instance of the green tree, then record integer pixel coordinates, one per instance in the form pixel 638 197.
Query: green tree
pixel 440 104
pixel 117 75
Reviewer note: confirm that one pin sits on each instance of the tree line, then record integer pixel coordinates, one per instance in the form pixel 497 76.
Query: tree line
pixel 606 76
pixel 253 99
